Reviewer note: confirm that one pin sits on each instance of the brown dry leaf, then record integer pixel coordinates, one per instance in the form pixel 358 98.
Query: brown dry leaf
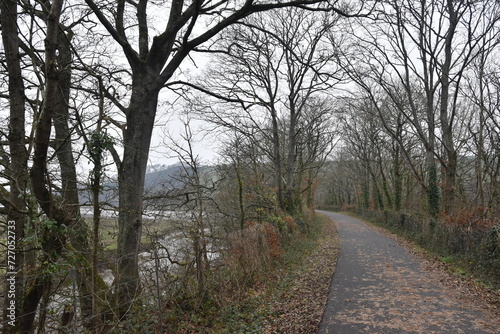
pixel 300 308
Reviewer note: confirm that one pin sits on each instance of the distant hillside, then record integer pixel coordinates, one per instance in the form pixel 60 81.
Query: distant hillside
pixel 159 178
pixel 162 176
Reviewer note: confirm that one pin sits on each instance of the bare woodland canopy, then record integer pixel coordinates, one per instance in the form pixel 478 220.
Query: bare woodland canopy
pixel 389 105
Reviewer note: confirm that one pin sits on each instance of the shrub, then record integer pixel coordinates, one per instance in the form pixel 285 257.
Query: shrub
pixel 247 251
pixel 291 225
pixel 273 241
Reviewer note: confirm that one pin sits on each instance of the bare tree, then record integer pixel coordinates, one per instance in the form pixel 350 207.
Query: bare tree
pixel 153 64
pixel 53 185
pixel 276 64
pixel 481 89
pixel 431 44
pixel 193 198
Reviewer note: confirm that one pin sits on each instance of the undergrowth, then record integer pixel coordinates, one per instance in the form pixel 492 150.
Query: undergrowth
pixel 242 293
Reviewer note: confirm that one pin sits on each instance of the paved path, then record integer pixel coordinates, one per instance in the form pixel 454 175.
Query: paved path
pixel 379 287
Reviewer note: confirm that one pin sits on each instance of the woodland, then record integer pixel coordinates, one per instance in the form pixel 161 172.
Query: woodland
pixel 387 108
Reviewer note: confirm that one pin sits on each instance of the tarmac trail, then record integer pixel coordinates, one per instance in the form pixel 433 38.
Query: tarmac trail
pixel 379 287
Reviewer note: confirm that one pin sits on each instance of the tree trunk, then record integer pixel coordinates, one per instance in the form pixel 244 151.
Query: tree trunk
pixel 447 120
pixel 64 153
pixel 480 141
pixel 53 241
pixel 278 170
pixel 311 188
pixel 398 181
pixel 449 184
pixel 494 198
pixel 291 159
pixel 241 203
pixel 18 159
pixel 131 175
pixel 431 188
pixel 385 189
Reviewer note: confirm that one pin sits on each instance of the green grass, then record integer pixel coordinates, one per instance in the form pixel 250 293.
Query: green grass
pixel 447 259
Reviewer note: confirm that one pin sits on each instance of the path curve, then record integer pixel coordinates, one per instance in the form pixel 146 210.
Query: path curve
pixel 379 287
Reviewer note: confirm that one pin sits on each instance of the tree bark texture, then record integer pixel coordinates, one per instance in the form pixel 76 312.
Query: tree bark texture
pixel 450 154
pixel 131 175
pixel 17 172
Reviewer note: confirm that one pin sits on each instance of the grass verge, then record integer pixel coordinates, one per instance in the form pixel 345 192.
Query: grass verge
pixel 288 297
